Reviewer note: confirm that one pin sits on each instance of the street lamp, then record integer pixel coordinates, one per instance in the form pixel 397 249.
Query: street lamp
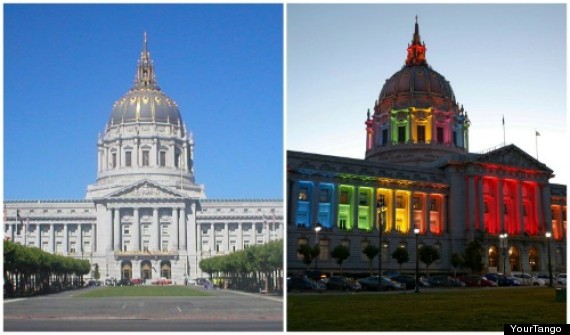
pixel 417 232
pixel 317 230
pixel 548 236
pixel 382 208
pixel 503 238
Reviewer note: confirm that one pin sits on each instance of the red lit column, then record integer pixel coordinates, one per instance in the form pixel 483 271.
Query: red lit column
pixel 480 202
pixel 520 207
pixel 501 204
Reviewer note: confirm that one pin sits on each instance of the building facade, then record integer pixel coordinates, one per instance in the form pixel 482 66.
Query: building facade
pixel 145 216
pixel 418 173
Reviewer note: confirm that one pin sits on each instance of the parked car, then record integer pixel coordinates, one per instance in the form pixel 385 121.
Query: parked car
pixel 162 281
pixel 125 282
pixel 337 283
pixel 445 281
pixel 528 280
pixel 561 279
pixel 137 281
pixel 408 281
pixel 304 284
pixel 477 281
pixel 503 280
pixel 110 282
pixel 373 283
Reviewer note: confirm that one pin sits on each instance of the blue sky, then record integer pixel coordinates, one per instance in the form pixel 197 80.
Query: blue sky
pixel 65 66
pixel 499 59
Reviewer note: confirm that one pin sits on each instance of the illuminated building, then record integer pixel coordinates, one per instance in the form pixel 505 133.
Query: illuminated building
pixel 418 165
pixel 145 216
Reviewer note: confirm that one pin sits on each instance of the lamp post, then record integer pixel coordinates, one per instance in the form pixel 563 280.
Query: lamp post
pixel 317 230
pixel 503 238
pixel 417 232
pixel 382 208
pixel 548 236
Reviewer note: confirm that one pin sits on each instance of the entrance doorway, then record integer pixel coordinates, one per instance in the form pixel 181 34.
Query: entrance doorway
pixel 126 270
pixel 146 270
pixel 165 270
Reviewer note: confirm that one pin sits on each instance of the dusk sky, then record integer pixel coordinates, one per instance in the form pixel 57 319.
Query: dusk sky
pixel 65 66
pixel 501 60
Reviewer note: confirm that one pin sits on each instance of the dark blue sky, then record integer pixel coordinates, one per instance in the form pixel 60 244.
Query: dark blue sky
pixel 65 66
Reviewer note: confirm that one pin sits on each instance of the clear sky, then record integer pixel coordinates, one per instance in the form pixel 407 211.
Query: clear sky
pixel 65 66
pixel 499 59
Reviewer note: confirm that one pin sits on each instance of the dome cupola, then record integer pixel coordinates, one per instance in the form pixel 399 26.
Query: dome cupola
pixel 416 118
pixel 145 139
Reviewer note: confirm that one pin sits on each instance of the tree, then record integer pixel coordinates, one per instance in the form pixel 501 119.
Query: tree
pixel 309 253
pixel 96 273
pixel 427 255
pixel 474 255
pixel 340 253
pixel 401 256
pixel 457 260
pixel 370 251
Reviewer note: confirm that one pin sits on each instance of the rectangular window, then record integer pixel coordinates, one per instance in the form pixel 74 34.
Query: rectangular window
pixel 145 229
pixel 259 228
pixel 72 247
pixel 421 134
pixel 401 134
pixel 417 203
pixel 384 136
pixel 177 159
pixel 126 230
pixel 145 245
pixel 163 158
pixel 128 159
pixel 434 205
pixel 145 158
pixel 164 246
pixel 114 160
pixel 439 134
pixel 344 198
pixel 400 201
pixel 324 196
pixel 164 229
pixel 303 193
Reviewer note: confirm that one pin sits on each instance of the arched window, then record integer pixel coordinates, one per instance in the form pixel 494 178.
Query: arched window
pixel 515 258
pixel 165 270
pixel 533 259
pixel 126 270
pixel 146 270
pixel 493 257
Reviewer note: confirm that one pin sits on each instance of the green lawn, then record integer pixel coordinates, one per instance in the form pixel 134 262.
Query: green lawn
pixel 143 291
pixel 454 310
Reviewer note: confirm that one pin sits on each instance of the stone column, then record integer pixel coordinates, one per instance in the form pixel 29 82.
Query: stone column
pixel 65 243
pixel 175 237
pixel 182 228
pixel 481 201
pixel 411 223
pixel 117 230
pixel 109 223
pixel 11 231
pixel 38 235
pixel 80 239
pixel 51 244
pixel 135 231
pixel 94 239
pixel 393 214
pixel 546 211
pixel 239 240
pixel 226 237
pixel 443 214
pixel 154 229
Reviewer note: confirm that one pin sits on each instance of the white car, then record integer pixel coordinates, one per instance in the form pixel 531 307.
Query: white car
pixel 527 280
pixel 561 279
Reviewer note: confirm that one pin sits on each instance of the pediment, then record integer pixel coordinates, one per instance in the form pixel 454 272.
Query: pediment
pixel 512 155
pixel 145 189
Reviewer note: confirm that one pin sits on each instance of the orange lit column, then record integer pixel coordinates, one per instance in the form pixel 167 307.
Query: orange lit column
pixel 411 224
pixel 427 225
pixel 442 214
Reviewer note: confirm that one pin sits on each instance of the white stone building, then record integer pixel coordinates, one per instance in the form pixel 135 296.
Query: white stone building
pixel 145 216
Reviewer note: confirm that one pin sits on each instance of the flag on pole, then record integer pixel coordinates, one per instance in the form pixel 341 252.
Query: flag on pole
pixel 503 120
pixel 537 133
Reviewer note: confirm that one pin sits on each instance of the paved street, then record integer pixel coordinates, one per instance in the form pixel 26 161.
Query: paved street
pixel 221 311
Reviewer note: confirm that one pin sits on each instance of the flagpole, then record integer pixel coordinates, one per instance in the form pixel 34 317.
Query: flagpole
pixel 504 141
pixel 536 135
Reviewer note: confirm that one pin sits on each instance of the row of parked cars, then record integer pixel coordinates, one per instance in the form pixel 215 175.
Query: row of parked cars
pixel 405 282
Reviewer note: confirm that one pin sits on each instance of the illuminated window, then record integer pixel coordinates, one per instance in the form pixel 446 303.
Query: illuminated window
pixel 434 205
pixel 417 203
pixel 344 197
pixel 304 193
pixel 400 201
pixel 421 133
pixel 401 134
pixel 363 199
pixel 324 195
pixel 439 134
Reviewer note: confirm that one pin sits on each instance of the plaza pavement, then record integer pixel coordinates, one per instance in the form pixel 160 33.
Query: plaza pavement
pixel 222 310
